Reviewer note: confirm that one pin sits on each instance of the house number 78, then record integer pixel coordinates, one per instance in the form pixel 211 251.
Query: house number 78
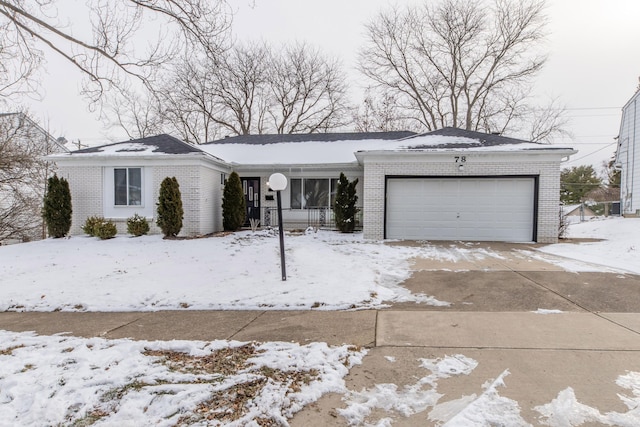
pixel 460 159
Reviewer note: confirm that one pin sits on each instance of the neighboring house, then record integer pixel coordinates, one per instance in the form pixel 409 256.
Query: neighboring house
pixel 628 157
pixel 449 184
pixel 604 200
pixel 580 210
pixel 23 176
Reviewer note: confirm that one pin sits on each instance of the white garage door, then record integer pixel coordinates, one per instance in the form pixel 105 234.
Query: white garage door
pixel 480 209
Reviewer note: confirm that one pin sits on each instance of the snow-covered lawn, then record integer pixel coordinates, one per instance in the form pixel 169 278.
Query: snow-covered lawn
pixel 60 380
pixel 240 271
pixel 618 246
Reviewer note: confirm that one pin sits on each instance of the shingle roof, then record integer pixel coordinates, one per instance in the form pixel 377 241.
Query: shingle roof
pixel 485 139
pixel 164 144
pixel 311 137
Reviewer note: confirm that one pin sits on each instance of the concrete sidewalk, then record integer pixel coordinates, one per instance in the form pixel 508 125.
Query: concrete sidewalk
pixel 335 328
pixel 543 354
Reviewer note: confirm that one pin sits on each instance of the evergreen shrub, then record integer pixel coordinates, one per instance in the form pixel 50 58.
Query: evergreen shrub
pixel 106 230
pixel 344 208
pixel 170 212
pixel 137 225
pixel 234 210
pixel 57 207
pixel 92 224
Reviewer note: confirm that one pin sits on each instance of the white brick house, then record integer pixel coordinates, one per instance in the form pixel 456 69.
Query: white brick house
pixel 449 184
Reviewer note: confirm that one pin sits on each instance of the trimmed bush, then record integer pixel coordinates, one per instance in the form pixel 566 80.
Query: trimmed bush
pixel 137 225
pixel 92 224
pixel 344 208
pixel 234 210
pixel 170 212
pixel 57 207
pixel 106 230
pixel 97 226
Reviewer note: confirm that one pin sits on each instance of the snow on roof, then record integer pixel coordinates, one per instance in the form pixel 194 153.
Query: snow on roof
pixel 317 149
pixel 158 144
pixel 309 152
pixel 128 148
pixel 262 139
pixel 343 151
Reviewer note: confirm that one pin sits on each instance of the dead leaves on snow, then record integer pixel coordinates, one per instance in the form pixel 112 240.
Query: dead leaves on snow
pixel 232 402
pixel 225 361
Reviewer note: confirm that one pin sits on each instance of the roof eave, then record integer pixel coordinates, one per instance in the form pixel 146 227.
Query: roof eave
pixel 66 157
pixel 284 166
pixel 564 151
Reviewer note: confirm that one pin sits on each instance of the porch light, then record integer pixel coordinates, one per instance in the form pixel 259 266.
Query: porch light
pixel 278 182
pixel 461 168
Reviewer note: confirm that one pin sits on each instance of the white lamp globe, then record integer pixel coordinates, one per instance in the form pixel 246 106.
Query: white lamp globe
pixel 277 182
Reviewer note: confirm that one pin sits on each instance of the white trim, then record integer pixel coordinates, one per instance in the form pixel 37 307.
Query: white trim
pixel 111 210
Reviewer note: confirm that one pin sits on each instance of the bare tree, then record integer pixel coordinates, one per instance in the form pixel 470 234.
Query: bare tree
pixel 249 89
pixel 237 84
pixel 548 122
pixel 128 38
pixel 16 76
pixel 380 113
pixel 308 91
pixel 23 175
pixel 204 97
pixel 134 112
pixel 459 63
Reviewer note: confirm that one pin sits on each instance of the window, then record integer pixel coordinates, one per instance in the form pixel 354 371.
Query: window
pixel 308 193
pixel 127 186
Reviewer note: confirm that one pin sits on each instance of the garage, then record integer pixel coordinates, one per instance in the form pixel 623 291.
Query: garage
pixel 482 208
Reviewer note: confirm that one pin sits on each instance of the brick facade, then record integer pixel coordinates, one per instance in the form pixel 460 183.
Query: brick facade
pixel 200 189
pixel 85 185
pixel 545 167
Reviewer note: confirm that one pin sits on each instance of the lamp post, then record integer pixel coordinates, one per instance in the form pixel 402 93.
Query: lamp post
pixel 278 182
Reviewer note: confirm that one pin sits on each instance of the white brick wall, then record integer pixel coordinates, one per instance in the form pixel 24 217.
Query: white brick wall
pixel 188 178
pixel 210 201
pixel 85 184
pixel 199 186
pixel 545 167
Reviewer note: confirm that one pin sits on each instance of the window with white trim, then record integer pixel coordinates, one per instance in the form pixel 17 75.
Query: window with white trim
pixel 127 184
pixel 309 193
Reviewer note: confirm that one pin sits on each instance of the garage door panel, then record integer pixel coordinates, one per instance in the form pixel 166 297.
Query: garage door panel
pixel 483 209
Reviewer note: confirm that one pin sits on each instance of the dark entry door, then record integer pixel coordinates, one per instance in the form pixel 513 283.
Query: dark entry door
pixel 251 189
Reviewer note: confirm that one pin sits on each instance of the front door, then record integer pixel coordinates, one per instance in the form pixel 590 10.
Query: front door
pixel 251 189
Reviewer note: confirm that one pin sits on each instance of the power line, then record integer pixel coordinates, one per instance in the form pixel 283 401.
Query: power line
pixel 592 108
pixel 594 152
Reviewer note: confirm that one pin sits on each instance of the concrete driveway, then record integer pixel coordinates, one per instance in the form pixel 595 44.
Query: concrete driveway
pixel 548 336
pixel 506 277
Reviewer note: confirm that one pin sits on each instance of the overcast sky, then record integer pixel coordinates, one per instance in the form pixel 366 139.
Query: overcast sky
pixel 593 66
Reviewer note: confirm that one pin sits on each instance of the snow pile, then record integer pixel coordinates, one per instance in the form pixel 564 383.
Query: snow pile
pixel 547 311
pixel 65 380
pixel 565 410
pixel 409 400
pixel 489 409
pixel 619 247
pixel 240 271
